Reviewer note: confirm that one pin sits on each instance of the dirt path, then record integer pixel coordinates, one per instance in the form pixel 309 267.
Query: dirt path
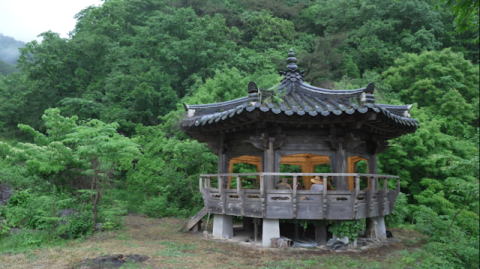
pixel 165 247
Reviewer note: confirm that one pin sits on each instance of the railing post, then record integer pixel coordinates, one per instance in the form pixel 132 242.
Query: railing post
pixel 385 186
pixel 262 195
pixel 355 196
pixel 385 193
pixel 398 185
pixel 324 207
pixel 373 189
pixel 223 195
pixel 294 198
pixel 240 195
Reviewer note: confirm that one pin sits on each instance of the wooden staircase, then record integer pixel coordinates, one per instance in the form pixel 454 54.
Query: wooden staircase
pixel 194 220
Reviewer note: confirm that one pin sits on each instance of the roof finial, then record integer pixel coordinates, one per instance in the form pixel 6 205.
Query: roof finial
pixel 291 60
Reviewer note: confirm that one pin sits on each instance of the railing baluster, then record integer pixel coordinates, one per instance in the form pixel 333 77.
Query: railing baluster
pixel 385 193
pixel 294 198
pixel 325 200
pixel 223 195
pixel 355 196
pixel 372 194
pixel 398 185
pixel 262 195
pixel 239 193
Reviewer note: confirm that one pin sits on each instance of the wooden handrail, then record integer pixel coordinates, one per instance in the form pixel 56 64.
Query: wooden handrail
pixel 299 174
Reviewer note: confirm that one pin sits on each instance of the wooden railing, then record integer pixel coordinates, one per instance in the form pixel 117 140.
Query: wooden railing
pixel 267 202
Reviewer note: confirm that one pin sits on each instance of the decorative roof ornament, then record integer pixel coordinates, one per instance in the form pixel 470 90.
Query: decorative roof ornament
pixel 292 62
pixel 291 76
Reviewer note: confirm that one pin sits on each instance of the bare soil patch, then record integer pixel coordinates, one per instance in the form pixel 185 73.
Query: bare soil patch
pixel 160 241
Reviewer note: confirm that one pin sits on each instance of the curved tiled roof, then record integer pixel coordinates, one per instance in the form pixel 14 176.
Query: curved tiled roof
pixel 294 96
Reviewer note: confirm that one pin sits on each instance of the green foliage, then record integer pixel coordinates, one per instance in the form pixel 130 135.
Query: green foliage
pixel 443 81
pixel 264 31
pixel 467 15
pixel 168 171
pixel 325 61
pixel 348 228
pixel 77 226
pixel 6 68
pixel 401 211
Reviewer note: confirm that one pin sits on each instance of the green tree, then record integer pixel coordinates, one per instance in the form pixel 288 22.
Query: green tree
pixel 324 63
pixel 443 81
pixel 169 171
pixel 264 31
pixel 93 146
pixel 467 12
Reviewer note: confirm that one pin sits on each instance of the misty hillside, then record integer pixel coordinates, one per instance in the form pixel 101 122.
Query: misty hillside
pixel 9 49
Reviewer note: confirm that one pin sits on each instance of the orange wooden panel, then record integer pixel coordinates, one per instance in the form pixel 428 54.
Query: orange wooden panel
pixel 253 160
pixel 351 161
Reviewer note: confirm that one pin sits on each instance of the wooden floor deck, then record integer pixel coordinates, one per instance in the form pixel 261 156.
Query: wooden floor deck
pixel 270 203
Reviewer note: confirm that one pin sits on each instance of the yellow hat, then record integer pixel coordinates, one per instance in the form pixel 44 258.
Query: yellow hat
pixel 317 180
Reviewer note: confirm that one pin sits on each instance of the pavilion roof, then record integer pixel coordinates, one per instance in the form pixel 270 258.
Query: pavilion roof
pixel 295 97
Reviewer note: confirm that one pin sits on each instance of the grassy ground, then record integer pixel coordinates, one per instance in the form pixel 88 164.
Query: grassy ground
pixel 160 240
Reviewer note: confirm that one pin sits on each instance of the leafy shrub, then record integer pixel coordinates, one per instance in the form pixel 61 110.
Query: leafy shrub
pixel 400 212
pixel 76 226
pixel 24 240
pixel 156 207
pixel 348 228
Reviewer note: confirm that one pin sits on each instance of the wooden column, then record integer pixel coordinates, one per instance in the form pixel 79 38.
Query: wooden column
pixel 340 166
pixel 270 163
pixel 247 223
pixel 372 169
pixel 321 233
pixel 222 161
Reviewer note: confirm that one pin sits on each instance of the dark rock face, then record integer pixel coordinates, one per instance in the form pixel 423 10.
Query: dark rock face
pixel 67 213
pixel 111 261
pixel 5 193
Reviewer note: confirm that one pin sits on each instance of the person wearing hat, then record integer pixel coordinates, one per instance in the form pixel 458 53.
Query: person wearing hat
pixel 317 184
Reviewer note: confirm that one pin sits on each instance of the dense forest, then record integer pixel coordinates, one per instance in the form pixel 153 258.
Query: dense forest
pixel 90 122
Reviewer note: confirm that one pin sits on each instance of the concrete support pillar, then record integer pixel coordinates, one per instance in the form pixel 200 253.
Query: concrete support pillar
pixel 321 233
pixel 270 229
pixel 380 229
pixel 222 226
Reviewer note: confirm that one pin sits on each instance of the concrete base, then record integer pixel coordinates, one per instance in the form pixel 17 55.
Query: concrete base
pixel 270 229
pixel 380 229
pixel 222 226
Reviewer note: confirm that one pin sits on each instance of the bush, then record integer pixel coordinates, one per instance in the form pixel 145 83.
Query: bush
pixel 348 228
pixel 400 212
pixel 76 226
pixel 157 207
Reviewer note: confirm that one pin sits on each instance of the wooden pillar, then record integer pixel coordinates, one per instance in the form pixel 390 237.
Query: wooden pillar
pixel 307 167
pixel 321 233
pixel 222 161
pixel 340 166
pixel 247 223
pixel 372 169
pixel 270 163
